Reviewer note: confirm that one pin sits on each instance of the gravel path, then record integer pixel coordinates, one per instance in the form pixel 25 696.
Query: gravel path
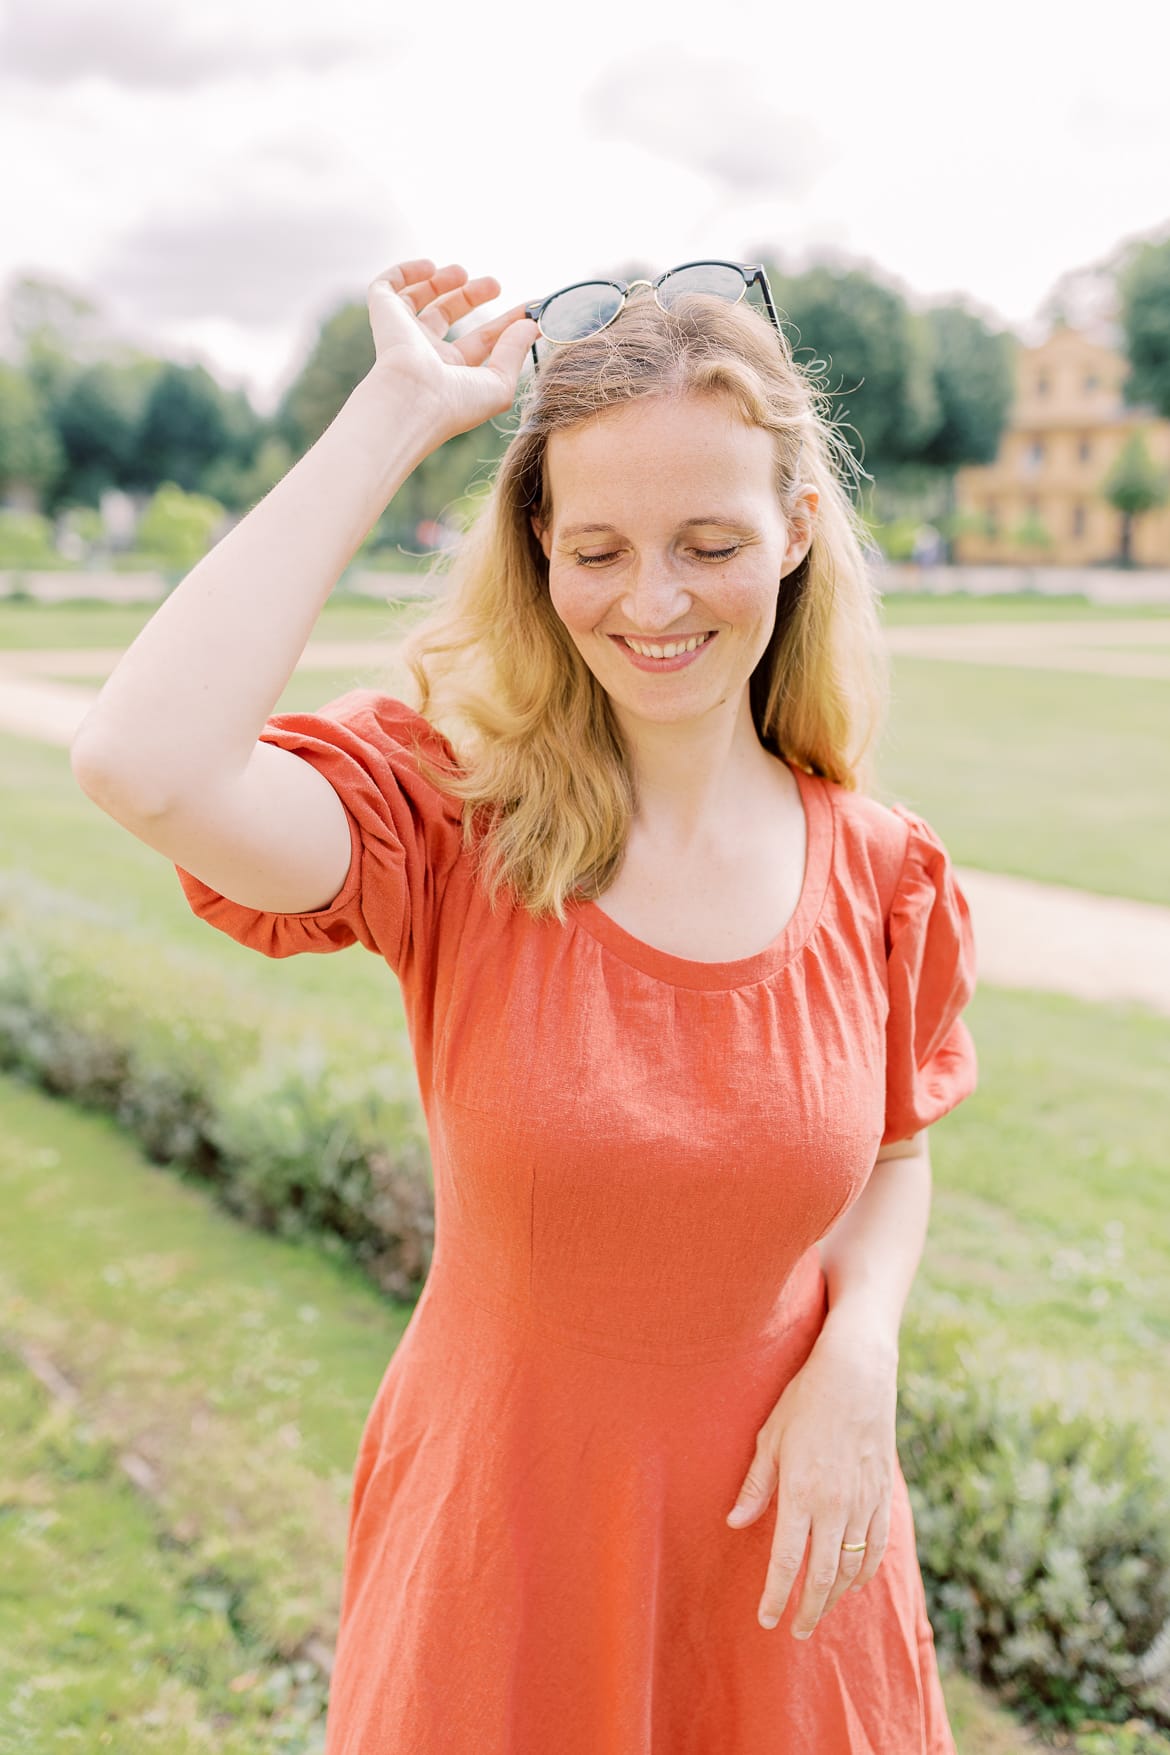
pixel 1049 937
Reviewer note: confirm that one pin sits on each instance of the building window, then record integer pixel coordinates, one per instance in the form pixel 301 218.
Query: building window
pixel 991 520
pixel 1078 520
pixel 1091 381
pixel 1033 455
pixel 1086 450
pixel 1042 384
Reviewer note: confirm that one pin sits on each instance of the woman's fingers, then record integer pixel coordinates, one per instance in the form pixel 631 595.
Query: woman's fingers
pixel 412 305
pixel 450 306
pixel 477 344
pixel 877 1538
pixel 788 1545
pixel 848 1569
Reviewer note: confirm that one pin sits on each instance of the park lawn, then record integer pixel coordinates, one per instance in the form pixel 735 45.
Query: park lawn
pixel 1049 1237
pixel 24 626
pixel 112 1635
pixel 62 851
pixel 240 1368
pixel 1050 775
pixel 306 691
pixel 1058 776
pixel 910 608
pixel 74 626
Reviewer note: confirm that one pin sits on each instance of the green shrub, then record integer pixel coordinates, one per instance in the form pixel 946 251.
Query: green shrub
pixel 1044 1539
pixel 26 540
pixel 294 1138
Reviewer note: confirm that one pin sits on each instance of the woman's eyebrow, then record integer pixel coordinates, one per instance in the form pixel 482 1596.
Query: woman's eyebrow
pixel 687 524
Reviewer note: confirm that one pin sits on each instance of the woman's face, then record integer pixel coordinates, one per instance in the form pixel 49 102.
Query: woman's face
pixel 667 533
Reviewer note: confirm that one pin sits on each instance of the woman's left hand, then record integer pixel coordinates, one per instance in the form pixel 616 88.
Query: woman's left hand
pixel 830 1441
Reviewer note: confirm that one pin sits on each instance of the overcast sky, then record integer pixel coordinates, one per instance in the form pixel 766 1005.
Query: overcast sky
pixel 221 175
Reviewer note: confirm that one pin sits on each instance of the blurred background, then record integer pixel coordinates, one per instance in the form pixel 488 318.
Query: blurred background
pixel 216 1185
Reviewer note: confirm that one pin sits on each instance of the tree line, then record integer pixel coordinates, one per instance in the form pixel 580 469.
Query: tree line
pixel 915 393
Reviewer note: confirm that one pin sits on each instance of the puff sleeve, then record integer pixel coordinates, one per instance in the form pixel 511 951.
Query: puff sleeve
pixel 931 1062
pixel 405 833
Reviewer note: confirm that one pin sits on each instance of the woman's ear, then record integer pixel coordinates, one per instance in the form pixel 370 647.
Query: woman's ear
pixel 538 531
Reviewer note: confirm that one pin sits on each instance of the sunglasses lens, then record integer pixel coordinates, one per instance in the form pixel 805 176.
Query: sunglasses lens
pixel 580 310
pixel 702 277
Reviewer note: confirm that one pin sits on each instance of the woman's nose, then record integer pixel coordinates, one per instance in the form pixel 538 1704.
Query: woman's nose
pixel 656 597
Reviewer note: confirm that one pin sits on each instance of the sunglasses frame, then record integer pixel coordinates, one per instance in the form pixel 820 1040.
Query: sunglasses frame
pixel 752 272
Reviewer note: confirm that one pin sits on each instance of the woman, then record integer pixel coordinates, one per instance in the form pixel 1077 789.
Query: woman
pixel 684 1000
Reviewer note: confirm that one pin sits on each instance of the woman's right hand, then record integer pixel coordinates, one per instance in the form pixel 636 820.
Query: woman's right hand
pixel 412 306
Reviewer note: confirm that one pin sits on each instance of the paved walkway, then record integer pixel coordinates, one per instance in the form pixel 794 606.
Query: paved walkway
pixel 1049 937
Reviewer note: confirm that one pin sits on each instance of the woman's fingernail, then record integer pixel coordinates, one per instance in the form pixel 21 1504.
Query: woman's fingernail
pixel 768 1620
pixel 738 1514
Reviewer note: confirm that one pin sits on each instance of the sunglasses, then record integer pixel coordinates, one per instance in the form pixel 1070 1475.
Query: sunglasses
pixel 591 305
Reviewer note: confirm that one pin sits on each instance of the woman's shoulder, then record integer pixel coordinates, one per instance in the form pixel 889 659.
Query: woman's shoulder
pixel 386 719
pixel 872 839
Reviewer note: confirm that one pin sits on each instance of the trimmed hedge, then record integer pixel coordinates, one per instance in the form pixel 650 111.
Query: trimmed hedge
pixel 1044 1542
pixel 290 1139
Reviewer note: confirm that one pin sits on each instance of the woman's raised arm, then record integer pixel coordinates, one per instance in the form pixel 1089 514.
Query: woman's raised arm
pixel 178 718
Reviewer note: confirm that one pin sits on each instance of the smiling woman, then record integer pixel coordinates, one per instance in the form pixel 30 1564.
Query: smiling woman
pixel 646 1115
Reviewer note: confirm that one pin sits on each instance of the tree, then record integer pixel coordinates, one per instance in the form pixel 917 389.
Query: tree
pixel 49 330
pixel 1134 485
pixel 31 457
pixel 343 354
pixel 1143 285
pixel 974 375
pixel 98 417
pixel 861 339
pixel 178 527
pixel 185 426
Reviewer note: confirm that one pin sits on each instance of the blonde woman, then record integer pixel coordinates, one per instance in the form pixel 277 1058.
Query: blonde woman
pixel 684 1000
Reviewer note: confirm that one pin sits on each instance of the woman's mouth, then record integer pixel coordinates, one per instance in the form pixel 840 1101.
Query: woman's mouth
pixel 663 654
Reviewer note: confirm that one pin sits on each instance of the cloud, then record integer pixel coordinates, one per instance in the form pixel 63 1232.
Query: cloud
pixel 711 114
pixel 56 42
pixel 256 262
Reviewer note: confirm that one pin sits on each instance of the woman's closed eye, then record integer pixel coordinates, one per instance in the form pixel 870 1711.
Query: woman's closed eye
pixel 707 554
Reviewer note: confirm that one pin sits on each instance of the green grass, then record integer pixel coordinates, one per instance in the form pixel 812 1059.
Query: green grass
pixel 1052 775
pixel 29 626
pixel 911 607
pixel 111 1635
pixel 306 690
pixel 1050 1230
pixel 241 1368
pixel 1044 774
pixel 56 837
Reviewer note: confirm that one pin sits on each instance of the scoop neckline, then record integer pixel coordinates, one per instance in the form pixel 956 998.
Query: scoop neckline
pixel 738 971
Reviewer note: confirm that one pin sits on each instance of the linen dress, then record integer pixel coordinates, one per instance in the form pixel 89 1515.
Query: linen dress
pixel 634 1154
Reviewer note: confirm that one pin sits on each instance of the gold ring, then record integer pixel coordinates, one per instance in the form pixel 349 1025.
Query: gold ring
pixel 852 1547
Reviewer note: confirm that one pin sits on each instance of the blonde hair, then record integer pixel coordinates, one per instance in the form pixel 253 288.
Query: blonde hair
pixel 544 772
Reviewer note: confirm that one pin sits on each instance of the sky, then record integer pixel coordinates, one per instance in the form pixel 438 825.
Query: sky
pixel 220 176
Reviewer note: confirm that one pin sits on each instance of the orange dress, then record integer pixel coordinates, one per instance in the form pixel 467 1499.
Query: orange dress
pixel 634 1154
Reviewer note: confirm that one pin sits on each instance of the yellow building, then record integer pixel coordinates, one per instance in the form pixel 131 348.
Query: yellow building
pixel 1065 429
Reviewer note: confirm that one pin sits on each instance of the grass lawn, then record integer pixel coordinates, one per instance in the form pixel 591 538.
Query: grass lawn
pixel 28 626
pixel 1054 775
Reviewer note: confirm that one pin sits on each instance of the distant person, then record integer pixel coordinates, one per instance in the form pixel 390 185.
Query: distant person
pixel 929 547
pixel 678 987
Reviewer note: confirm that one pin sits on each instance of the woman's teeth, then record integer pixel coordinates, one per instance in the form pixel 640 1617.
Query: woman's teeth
pixel 670 650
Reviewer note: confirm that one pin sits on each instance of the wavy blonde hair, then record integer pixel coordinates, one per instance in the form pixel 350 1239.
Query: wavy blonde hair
pixel 545 776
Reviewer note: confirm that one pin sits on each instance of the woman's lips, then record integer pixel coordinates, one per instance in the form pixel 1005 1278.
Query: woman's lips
pixel 678 662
